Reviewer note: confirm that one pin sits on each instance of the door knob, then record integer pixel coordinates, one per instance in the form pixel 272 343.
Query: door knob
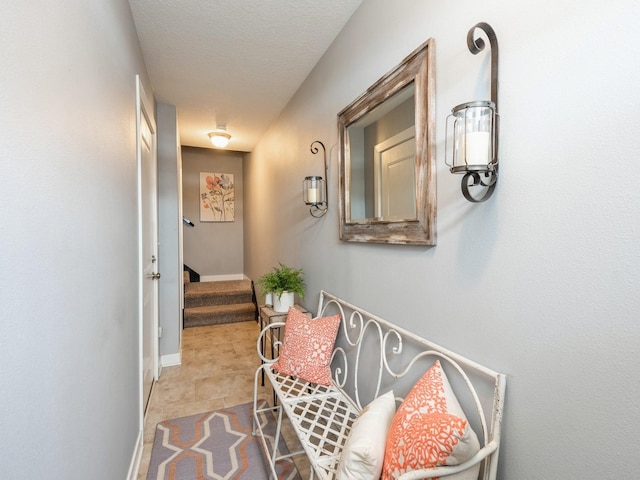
pixel 154 276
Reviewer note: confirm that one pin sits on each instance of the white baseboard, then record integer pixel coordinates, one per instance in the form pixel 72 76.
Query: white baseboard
pixel 222 278
pixel 134 467
pixel 171 360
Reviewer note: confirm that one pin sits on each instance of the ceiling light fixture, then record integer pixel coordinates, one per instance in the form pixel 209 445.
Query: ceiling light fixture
pixel 220 138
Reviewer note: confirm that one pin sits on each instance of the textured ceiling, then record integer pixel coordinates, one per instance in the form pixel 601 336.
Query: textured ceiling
pixel 233 62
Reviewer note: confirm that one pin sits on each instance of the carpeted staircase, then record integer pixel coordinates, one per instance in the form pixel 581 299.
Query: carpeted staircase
pixel 212 303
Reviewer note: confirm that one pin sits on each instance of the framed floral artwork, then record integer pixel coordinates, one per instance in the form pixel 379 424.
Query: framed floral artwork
pixel 217 197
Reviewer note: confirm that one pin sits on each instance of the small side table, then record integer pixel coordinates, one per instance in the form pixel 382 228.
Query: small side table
pixel 268 316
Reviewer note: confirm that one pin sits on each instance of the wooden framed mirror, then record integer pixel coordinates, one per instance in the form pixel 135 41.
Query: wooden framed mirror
pixel 387 160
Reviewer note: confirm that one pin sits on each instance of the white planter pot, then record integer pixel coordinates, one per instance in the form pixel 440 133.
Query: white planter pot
pixel 268 298
pixel 282 303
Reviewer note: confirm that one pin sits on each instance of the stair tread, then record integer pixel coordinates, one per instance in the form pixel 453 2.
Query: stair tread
pixel 229 287
pixel 233 307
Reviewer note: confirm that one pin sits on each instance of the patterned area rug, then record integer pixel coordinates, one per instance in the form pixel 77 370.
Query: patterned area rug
pixel 215 445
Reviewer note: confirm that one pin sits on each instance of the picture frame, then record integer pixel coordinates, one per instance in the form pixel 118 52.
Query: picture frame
pixel 217 197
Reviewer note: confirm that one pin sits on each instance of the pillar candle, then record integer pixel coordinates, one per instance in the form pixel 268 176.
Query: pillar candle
pixel 477 148
pixel 312 195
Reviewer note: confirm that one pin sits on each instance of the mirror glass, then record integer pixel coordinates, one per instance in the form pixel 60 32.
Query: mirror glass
pixel 387 166
pixel 382 151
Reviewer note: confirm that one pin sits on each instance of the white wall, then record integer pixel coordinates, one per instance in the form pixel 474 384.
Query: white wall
pixel 69 379
pixel 542 281
pixel 213 249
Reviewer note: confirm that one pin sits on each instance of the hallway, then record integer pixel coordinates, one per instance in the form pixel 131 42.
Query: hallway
pixel 217 371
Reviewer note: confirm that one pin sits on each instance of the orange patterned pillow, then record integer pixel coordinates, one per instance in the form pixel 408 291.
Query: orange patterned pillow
pixel 429 430
pixel 307 347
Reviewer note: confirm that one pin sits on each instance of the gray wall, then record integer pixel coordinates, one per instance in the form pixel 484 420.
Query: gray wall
pixel 69 376
pixel 212 248
pixel 540 282
pixel 170 285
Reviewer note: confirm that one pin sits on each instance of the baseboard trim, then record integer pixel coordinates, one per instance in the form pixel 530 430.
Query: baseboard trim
pixel 222 278
pixel 134 467
pixel 171 360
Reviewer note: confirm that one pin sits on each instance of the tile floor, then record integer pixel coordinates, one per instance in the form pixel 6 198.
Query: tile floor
pixel 217 371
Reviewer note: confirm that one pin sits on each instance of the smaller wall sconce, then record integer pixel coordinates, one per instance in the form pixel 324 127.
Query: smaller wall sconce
pixel 474 152
pixel 220 138
pixel 314 188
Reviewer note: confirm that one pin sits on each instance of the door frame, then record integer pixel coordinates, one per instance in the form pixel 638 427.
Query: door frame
pixel 379 150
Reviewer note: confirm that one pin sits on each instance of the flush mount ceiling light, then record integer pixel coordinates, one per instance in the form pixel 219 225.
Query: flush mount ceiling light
pixel 220 138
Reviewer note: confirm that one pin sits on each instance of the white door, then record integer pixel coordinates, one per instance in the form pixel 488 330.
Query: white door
pixel 394 176
pixel 149 274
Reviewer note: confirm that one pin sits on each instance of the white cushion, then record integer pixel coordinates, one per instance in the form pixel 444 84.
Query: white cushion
pixel 363 452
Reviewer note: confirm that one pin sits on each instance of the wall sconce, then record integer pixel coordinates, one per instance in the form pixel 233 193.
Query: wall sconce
pixel 474 152
pixel 314 188
pixel 220 138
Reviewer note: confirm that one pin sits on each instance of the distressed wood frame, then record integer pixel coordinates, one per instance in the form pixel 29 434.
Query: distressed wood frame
pixel 418 67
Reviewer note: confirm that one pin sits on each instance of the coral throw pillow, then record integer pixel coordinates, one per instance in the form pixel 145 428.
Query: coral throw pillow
pixel 307 347
pixel 429 430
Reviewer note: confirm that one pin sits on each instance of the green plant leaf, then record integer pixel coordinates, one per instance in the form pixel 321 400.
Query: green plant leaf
pixel 282 279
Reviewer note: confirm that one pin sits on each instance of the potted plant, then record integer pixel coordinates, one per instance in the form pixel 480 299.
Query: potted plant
pixel 283 283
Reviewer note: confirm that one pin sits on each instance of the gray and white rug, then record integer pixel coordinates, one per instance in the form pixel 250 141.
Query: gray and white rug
pixel 215 445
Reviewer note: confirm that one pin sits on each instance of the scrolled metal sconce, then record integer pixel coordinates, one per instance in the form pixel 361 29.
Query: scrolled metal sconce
pixel 474 152
pixel 314 188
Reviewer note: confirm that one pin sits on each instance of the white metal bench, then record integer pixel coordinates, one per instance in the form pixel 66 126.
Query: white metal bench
pixel 370 357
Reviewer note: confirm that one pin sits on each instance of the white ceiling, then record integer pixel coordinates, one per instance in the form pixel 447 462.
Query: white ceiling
pixel 233 62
